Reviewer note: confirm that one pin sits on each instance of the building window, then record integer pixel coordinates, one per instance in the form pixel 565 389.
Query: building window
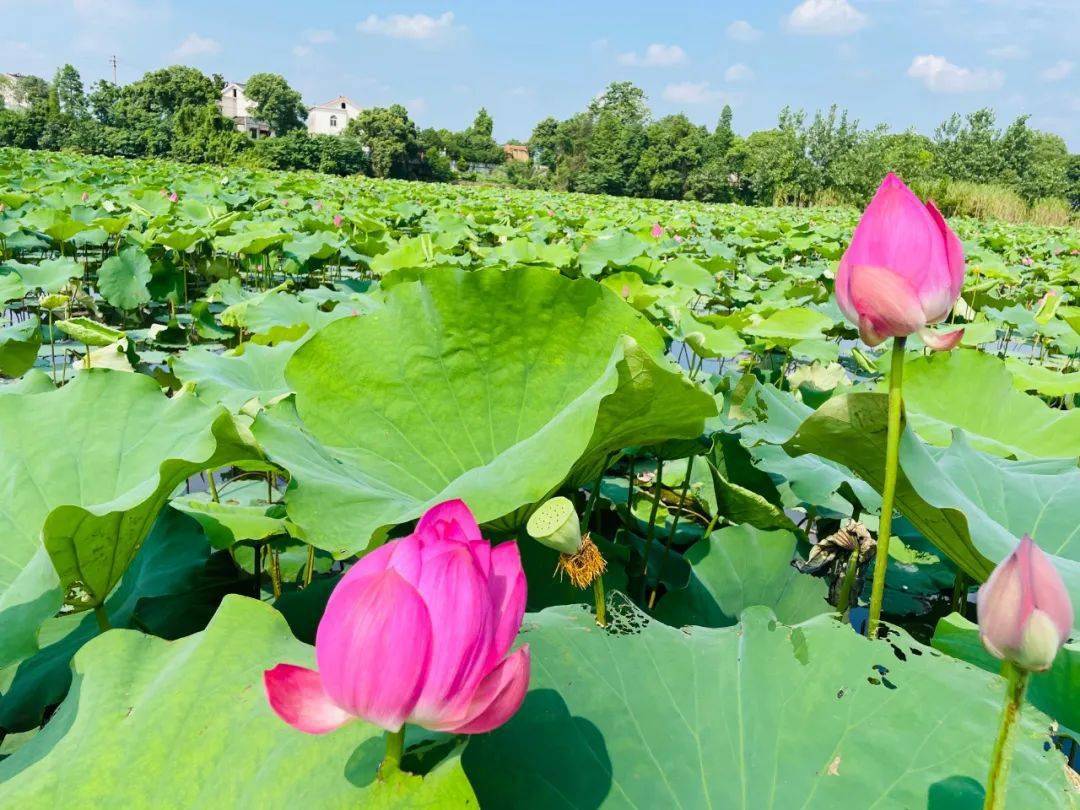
pixel 333 120
pixel 234 92
pixel 343 105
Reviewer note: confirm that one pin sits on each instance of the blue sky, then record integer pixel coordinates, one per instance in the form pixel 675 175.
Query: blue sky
pixel 901 62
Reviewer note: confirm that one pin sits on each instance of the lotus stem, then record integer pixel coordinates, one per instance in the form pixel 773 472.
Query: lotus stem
pixel 674 526
pixel 1016 680
pixel 888 495
pixel 601 603
pixel 843 598
pixel 309 569
pixel 275 572
pixel 395 747
pixel 213 485
pixel 102 618
pixel 52 348
pixel 651 530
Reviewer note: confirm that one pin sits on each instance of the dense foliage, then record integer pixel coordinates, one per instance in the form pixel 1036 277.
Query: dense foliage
pixel 224 385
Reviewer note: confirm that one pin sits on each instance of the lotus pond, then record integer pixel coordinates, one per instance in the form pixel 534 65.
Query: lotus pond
pixel 223 388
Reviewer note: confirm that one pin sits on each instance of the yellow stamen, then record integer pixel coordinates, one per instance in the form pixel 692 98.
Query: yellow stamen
pixel 584 566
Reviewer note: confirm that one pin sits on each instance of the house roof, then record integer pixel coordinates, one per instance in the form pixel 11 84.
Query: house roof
pixel 335 104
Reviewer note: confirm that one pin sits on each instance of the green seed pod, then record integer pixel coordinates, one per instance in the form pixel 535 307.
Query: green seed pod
pixel 555 524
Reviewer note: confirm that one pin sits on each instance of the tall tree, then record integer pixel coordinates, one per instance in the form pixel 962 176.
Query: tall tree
pixel 276 102
pixel 391 139
pixel 70 95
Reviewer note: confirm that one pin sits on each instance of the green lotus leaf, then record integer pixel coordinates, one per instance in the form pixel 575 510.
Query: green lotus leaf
pixel 952 389
pixel 19 344
pixel 89 331
pixel 974 507
pixel 789 326
pixel 232 379
pixel 133 696
pixel 230 520
pixel 1047 381
pixel 11 287
pixel 87 500
pixel 757 715
pixel 1053 691
pixel 614 249
pixel 123 279
pixel 737 567
pixel 414 403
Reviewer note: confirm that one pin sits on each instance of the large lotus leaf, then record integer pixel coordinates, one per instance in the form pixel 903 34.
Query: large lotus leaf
pixel 789 326
pixel 123 278
pixel 235 379
pixel 19 345
pixel 617 248
pixel 756 715
pixel 493 386
pixel 972 506
pixel 198 705
pixel 740 566
pixel 1053 691
pixel 973 390
pixel 170 562
pixel 11 287
pixel 1029 377
pixel 89 331
pixel 87 496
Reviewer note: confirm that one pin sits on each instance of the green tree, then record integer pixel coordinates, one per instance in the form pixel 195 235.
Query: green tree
pixel 391 139
pixel 479 145
pixel 616 141
pixel 966 148
pixel 202 135
pixel 32 91
pixel 276 102
pixel 674 149
pixel 71 97
pixel 544 143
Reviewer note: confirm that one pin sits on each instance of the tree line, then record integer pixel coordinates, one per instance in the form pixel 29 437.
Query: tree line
pixel 614 146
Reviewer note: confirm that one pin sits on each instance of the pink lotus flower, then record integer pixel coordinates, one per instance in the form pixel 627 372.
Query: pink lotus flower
pixel 903 270
pixel 338 220
pixel 1024 610
pixel 174 197
pixel 678 239
pixel 657 231
pixel 416 632
pixel 1027 261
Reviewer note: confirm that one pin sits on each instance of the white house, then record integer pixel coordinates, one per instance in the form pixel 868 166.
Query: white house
pixel 239 108
pixel 7 90
pixel 330 118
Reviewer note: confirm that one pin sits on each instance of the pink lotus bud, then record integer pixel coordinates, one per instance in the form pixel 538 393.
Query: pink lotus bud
pixel 1024 610
pixel 418 632
pixel 903 270
pixel 551 213
pixel 85 196
pixel 174 197
pixel 1027 261
pixel 678 239
pixel 285 203
pixel 338 220
pixel 657 231
pixel 625 292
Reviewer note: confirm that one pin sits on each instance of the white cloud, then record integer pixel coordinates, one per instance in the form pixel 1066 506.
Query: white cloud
pixel 690 93
pixel 939 75
pixel 301 50
pixel 319 36
pixel 738 73
pixel 826 18
pixel 656 55
pixel 409 26
pixel 742 31
pixel 1009 52
pixel 1061 69
pixel 195 45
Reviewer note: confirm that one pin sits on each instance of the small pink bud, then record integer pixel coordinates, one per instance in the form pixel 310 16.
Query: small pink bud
pixel 903 270
pixel 174 197
pixel 85 196
pixel 1027 261
pixel 1024 610
pixel 551 213
pixel 657 231
pixel 678 239
pixel 338 220
pixel 625 291
pixel 285 203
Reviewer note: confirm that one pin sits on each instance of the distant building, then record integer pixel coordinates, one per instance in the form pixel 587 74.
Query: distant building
pixel 7 90
pixel 239 108
pixel 330 118
pixel 516 151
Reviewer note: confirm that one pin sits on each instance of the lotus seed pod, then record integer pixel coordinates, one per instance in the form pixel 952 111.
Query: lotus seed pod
pixel 556 525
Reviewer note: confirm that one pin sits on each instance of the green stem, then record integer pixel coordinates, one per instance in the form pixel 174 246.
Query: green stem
pixel 888 495
pixel 959 594
pixel 594 495
pixel 1016 680
pixel 309 569
pixel 651 530
pixel 843 598
pixel 102 618
pixel 674 526
pixel 601 604
pixel 213 485
pixel 395 747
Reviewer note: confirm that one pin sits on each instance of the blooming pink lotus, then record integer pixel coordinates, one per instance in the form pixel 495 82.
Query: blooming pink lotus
pixel 1024 610
pixel 338 220
pixel 903 270
pixel 657 230
pixel 416 632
